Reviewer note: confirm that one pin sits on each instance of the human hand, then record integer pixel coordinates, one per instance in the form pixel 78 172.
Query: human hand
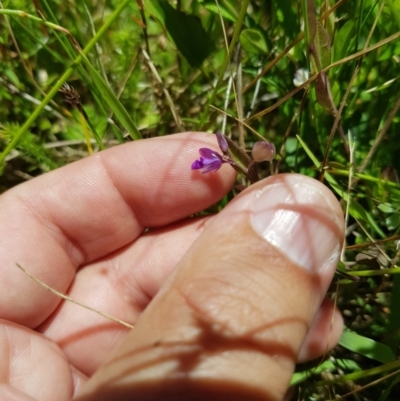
pixel 236 299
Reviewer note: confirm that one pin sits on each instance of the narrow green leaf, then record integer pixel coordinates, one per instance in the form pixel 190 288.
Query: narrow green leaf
pixel 323 93
pixel 320 47
pixel 310 21
pixel 323 46
pixel 365 346
pixel 243 161
pixel 358 212
pixel 343 38
pixel 363 374
pixel 225 12
pixel 153 7
pixel 329 22
pixel 12 76
pixel 300 377
pixel 332 182
pixel 343 364
pixel 240 156
pixel 115 105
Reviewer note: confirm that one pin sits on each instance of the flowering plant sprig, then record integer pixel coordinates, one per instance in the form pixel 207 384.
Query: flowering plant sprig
pixel 210 160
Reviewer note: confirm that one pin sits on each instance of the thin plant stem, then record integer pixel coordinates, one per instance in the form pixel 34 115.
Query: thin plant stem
pixel 97 46
pixel 314 77
pixel 168 97
pixel 86 132
pixel 23 14
pixel 352 147
pixel 226 103
pixel 288 48
pixel 289 129
pixel 338 115
pixel 67 298
pixel 235 36
pixel 239 96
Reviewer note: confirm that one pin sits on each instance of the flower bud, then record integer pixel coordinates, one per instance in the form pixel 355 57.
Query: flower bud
pixel 222 142
pixel 263 151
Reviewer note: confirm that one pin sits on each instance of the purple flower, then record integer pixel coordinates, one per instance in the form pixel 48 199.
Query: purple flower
pixel 210 160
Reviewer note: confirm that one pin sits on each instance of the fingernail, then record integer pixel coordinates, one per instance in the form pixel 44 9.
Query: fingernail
pixel 297 215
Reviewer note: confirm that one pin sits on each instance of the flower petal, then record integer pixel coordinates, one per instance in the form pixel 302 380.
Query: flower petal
pixel 213 165
pixel 209 153
pixel 210 160
pixel 197 164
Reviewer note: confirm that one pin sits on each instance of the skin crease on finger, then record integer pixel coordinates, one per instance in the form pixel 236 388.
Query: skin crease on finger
pixel 33 365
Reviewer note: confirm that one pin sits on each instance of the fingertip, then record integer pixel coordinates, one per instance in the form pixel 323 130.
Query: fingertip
pixel 324 334
pixel 157 179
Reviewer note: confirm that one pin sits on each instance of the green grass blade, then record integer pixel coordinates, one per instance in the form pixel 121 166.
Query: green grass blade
pixel 366 346
pixel 235 36
pixel 328 365
pixel 355 209
pixel 115 105
pixel 365 373
pixel 24 129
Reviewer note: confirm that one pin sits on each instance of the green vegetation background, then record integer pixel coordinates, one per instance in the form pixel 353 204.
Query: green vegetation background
pixel 144 68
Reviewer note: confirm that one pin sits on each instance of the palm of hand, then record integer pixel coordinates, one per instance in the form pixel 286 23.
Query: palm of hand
pixel 80 230
pixel 108 231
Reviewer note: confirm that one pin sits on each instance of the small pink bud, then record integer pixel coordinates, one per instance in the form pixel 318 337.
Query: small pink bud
pixel 263 151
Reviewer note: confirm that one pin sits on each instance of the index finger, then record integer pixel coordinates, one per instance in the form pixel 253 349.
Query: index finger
pixel 86 210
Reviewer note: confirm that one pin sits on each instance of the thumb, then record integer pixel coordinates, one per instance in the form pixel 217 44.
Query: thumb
pixel 230 321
